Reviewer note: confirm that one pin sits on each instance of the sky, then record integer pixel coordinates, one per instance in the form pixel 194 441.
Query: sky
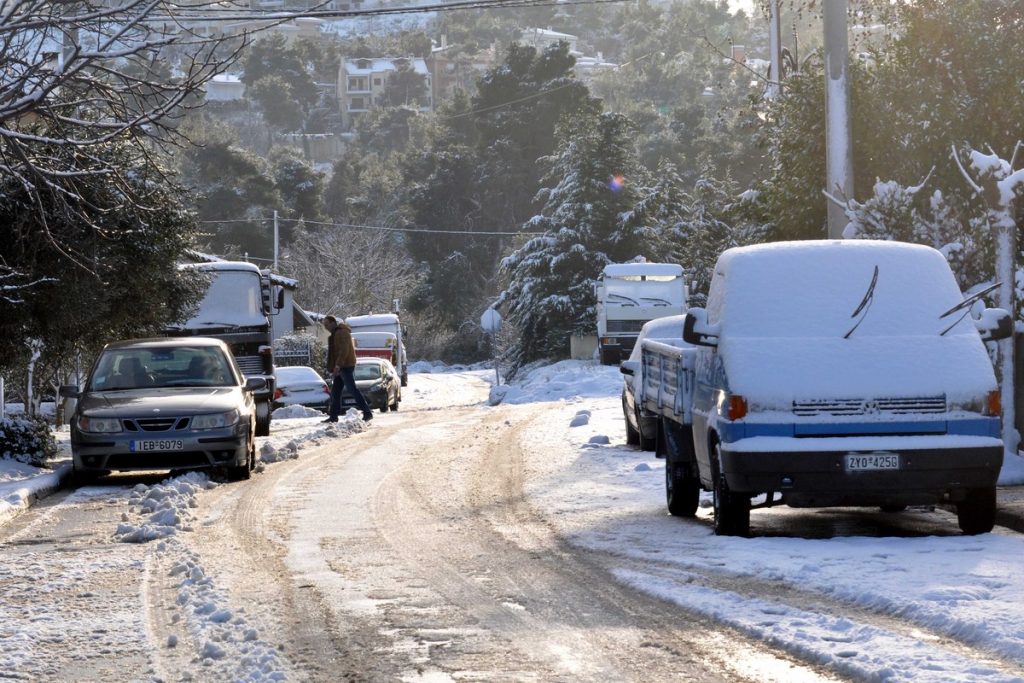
pixel 859 605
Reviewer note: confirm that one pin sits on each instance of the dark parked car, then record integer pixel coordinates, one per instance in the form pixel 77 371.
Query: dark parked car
pixel 378 382
pixel 301 385
pixel 642 428
pixel 164 404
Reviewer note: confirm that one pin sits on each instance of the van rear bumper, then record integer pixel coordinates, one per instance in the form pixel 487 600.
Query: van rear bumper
pixel 931 469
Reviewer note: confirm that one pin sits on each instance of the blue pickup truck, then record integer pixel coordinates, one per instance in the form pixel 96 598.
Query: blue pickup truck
pixel 825 374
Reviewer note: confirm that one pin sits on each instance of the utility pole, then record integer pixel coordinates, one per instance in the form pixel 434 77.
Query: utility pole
pixel 775 48
pixel 838 136
pixel 275 240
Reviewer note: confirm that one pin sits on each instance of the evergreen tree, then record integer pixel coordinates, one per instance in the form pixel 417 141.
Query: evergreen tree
pixel 518 105
pixel 550 295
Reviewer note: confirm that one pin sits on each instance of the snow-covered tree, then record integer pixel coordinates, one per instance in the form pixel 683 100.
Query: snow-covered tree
pixel 82 75
pixel 550 294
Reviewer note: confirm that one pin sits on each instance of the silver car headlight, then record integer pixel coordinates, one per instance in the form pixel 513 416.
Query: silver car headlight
pixel 99 425
pixel 215 421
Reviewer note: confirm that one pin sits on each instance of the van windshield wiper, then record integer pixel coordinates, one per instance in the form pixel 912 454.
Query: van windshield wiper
pixel 657 302
pixel 864 304
pixel 966 304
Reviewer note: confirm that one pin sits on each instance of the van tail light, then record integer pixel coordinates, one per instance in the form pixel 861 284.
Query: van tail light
pixel 994 403
pixel 278 394
pixel 737 407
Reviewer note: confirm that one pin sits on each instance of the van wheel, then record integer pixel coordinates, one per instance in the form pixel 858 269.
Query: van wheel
pixel 976 513
pixel 732 511
pixel 682 490
pixel 893 508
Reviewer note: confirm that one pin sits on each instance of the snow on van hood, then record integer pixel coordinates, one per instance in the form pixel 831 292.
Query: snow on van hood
pixel 773 372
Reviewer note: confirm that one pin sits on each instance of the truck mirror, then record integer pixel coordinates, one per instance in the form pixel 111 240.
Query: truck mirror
pixel 696 329
pixel 629 367
pixel 280 299
pixel 994 324
pixel 255 383
pixel 68 391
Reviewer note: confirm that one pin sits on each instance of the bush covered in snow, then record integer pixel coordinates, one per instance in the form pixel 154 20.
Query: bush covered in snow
pixel 26 440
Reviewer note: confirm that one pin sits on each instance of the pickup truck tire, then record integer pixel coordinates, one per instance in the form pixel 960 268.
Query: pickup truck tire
pixel 263 418
pixel 632 435
pixel 647 443
pixel 732 511
pixel 976 514
pixel 682 489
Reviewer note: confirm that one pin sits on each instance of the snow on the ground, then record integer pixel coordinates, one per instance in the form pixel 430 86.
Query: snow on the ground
pixel 604 495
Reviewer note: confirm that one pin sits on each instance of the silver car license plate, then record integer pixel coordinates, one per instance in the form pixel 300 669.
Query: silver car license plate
pixel 156 445
pixel 879 460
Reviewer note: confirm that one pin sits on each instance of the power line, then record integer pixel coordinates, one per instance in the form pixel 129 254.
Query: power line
pixel 221 15
pixel 382 228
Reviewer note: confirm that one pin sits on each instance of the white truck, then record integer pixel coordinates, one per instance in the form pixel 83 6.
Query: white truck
pixel 629 295
pixel 829 373
pixel 236 308
pixel 381 335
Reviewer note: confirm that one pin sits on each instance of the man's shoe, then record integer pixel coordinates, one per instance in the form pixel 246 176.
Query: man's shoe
pixel 330 419
pixel 367 416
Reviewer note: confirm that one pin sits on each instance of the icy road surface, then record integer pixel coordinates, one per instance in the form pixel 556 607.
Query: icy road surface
pixel 457 541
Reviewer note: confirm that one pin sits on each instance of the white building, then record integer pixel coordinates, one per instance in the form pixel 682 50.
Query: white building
pixel 362 81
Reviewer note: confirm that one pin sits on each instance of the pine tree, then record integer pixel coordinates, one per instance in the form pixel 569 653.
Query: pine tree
pixel 550 295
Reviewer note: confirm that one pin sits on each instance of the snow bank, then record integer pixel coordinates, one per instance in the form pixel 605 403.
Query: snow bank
pixel 567 379
pixel 162 510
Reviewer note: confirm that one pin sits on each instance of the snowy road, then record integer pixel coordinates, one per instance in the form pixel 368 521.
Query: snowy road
pixel 453 541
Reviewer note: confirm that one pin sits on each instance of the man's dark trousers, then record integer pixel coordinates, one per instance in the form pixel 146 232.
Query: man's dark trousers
pixel 346 378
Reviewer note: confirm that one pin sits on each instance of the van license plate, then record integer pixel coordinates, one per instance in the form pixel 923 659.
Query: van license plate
pixel 860 462
pixel 157 445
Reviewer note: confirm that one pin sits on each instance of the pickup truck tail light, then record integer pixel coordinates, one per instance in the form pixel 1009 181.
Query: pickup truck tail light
pixel 737 407
pixel 994 403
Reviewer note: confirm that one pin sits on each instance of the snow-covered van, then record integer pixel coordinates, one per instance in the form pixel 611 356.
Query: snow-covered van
pixel 834 373
pixel 629 295
pixel 237 307
pixel 386 341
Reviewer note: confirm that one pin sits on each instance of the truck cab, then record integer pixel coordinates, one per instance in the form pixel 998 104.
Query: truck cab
pixel 629 295
pixel 236 308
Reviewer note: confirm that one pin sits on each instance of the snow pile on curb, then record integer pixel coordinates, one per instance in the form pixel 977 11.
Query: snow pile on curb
pixel 565 380
pixel 168 506
pixel 295 412
pixel 229 647
pixel 285 444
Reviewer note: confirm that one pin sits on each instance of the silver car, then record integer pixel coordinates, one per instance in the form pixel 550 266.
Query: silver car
pixel 164 404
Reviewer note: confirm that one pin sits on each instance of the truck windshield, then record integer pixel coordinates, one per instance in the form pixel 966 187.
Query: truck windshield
pixel 234 299
pixel 651 292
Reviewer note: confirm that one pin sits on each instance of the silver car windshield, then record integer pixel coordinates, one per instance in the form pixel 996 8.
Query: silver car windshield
pixel 144 368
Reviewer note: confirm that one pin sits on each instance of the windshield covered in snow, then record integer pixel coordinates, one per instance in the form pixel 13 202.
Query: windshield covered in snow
pixel 829 289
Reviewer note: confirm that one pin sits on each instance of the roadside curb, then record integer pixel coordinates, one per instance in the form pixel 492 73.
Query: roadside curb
pixel 29 491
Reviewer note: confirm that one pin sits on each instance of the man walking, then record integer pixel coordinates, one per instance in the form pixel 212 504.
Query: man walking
pixel 341 361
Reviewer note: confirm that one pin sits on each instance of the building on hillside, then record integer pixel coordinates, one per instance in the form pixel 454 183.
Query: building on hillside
pixel 452 69
pixel 543 38
pixel 224 88
pixel 586 66
pixel 362 82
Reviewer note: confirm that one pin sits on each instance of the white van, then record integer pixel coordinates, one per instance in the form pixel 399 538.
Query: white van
pixel 842 373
